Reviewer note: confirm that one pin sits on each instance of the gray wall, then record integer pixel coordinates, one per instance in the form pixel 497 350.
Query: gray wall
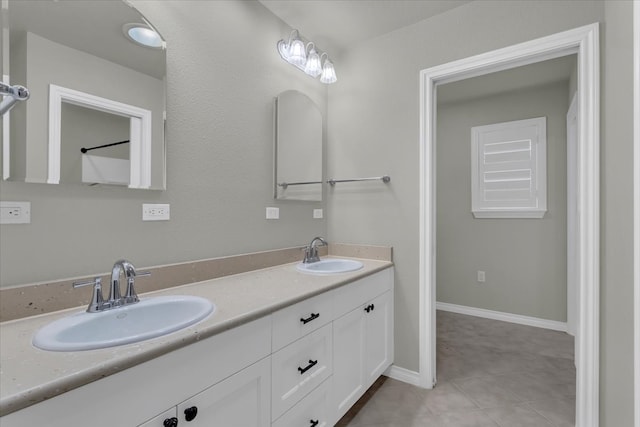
pixel 374 126
pixel 616 209
pixel 223 74
pixel 524 259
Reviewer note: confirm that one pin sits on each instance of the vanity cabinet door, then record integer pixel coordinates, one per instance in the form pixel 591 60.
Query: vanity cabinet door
pixel 242 400
pixel 348 372
pixel 166 419
pixel 363 350
pixel 379 337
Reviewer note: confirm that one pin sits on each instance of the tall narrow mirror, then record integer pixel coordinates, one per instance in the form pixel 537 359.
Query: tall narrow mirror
pixel 97 96
pixel 298 148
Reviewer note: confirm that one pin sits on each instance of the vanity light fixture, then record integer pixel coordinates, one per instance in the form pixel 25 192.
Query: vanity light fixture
pixel 143 35
pixel 313 65
pixel 328 75
pixel 307 58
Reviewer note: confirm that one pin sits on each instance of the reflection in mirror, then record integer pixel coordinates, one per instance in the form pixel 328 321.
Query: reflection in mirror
pixel 93 128
pixel 80 47
pixel 298 148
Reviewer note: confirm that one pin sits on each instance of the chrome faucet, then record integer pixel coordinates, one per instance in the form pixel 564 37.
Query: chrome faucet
pixel 122 267
pixel 311 251
pixel 98 303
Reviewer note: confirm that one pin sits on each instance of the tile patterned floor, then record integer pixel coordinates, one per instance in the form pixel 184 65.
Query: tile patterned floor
pixel 490 373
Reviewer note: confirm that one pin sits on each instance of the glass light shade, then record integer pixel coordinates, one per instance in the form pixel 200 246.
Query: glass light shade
pixel 297 54
pixel 328 73
pixel 142 35
pixel 313 66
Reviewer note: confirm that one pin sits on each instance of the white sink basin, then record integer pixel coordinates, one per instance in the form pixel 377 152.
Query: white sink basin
pixel 330 266
pixel 150 318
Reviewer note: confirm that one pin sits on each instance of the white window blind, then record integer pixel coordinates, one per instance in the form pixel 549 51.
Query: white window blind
pixel 508 169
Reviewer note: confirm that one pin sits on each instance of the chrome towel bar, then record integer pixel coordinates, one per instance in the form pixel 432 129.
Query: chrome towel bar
pixel 284 185
pixel 386 179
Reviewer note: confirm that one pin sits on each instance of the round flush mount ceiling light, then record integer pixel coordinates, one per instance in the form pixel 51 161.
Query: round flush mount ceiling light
pixel 143 35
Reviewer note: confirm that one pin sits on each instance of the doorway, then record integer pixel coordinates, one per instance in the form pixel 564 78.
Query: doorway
pixel 582 41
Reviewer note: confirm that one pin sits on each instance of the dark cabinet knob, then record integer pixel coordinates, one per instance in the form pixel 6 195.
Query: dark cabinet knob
pixel 190 413
pixel 314 423
pixel 170 422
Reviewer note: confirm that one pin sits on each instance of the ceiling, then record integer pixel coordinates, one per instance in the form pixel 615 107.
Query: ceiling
pixel 336 24
pixel 94 27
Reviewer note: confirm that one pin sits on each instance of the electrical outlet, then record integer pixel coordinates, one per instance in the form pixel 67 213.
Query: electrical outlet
pixel 317 213
pixel 481 276
pixel 156 212
pixel 273 213
pixel 15 212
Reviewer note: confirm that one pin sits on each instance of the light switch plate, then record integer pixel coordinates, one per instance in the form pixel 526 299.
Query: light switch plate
pixel 481 276
pixel 15 212
pixel 156 212
pixel 317 213
pixel 273 213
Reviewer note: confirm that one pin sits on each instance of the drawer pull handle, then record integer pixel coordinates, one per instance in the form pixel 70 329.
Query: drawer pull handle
pixel 313 316
pixel 369 308
pixel 314 423
pixel 311 364
pixel 190 413
pixel 170 422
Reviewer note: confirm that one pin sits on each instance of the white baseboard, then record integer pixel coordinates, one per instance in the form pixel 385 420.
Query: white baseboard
pixel 404 375
pixel 505 317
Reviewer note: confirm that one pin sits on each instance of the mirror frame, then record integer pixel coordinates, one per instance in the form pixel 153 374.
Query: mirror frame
pixel 282 186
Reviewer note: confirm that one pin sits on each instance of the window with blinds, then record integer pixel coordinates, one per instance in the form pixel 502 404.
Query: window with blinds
pixel 508 169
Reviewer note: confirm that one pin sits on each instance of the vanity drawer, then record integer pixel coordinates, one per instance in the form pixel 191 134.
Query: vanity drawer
pixel 298 320
pixel 313 410
pixel 299 368
pixel 357 293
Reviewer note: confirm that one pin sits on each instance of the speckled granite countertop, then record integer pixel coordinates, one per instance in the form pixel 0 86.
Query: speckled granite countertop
pixel 29 375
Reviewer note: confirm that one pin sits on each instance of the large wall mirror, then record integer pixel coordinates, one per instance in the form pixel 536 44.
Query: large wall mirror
pixel 96 110
pixel 298 148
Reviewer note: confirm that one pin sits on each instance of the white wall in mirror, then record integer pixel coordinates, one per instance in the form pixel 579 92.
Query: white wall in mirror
pixel 298 148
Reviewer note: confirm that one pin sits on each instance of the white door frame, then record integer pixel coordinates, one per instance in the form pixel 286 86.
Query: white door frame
pixel 572 208
pixel 585 42
pixel 139 132
pixel 636 209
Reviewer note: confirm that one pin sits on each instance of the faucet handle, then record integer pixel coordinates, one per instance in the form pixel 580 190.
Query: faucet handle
pixel 97 300
pixel 130 296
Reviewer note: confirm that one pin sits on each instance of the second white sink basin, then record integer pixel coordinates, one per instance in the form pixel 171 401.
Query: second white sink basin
pixel 150 318
pixel 330 266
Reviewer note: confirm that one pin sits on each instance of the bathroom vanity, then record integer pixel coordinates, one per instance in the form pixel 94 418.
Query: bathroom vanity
pixel 283 348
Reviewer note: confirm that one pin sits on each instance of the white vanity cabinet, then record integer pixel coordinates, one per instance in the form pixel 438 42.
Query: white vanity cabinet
pixel 241 400
pixel 363 338
pixel 232 366
pixel 302 366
